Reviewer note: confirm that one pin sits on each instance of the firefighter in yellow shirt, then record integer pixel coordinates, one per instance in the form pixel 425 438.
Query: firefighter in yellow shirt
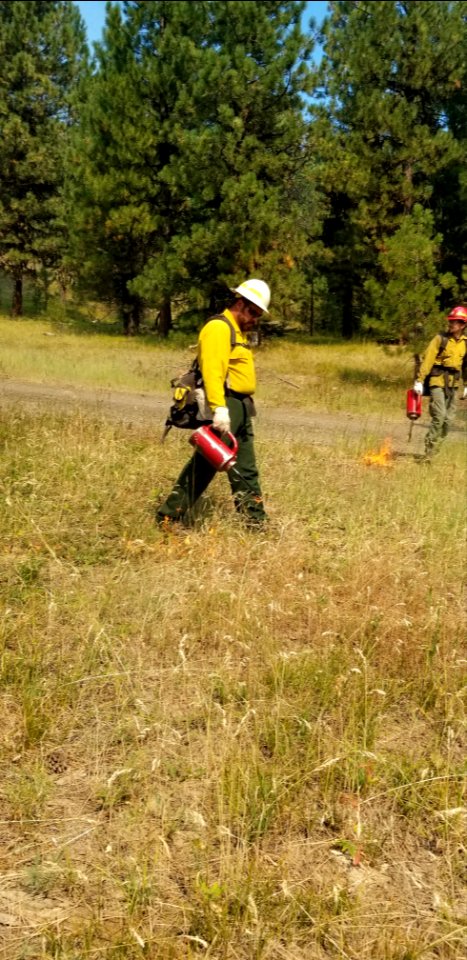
pixel 229 381
pixel 444 361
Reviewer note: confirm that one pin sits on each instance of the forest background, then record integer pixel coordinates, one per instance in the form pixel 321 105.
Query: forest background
pixel 201 143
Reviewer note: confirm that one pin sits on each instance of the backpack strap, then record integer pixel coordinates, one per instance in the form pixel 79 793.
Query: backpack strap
pixel 195 368
pixel 440 369
pixel 444 337
pixel 233 336
pixel 184 410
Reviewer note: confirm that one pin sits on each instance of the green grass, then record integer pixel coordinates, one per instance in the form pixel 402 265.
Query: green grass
pixel 45 352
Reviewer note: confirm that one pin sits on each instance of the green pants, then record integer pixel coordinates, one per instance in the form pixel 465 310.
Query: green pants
pixel 243 478
pixel 442 412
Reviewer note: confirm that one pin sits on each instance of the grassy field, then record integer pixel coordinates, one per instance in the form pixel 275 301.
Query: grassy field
pixel 220 744
pixel 357 377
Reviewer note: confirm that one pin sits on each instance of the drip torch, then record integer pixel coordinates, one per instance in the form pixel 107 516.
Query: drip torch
pixel 413 406
pixel 413 409
pixel 213 449
pixel 223 458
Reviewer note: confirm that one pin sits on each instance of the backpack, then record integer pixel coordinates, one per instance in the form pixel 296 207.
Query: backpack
pixel 184 412
pixel 418 362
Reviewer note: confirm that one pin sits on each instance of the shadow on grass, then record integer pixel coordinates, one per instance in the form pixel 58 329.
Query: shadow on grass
pixel 407 455
pixel 362 377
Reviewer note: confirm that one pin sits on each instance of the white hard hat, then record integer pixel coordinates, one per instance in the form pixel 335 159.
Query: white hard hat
pixel 257 291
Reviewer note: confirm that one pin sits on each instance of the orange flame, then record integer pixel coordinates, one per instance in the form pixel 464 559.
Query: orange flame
pixel 379 458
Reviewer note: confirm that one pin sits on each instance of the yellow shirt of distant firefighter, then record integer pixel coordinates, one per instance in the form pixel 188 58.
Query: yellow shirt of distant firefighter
pixel 452 356
pixel 218 362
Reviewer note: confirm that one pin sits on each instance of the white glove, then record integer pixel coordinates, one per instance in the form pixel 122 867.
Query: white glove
pixel 418 387
pixel 221 420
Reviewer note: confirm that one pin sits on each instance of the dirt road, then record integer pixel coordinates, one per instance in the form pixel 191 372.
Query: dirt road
pixel 146 410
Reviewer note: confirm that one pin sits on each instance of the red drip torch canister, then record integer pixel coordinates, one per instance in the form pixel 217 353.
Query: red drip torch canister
pixel 213 449
pixel 414 405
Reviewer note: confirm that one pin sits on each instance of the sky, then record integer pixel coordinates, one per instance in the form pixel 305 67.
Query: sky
pixel 93 14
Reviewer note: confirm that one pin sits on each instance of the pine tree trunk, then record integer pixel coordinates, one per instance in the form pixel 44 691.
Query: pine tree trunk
pixel 408 174
pixel 136 314
pixel 311 316
pixel 130 310
pixel 17 303
pixel 347 312
pixel 165 318
pixel 126 322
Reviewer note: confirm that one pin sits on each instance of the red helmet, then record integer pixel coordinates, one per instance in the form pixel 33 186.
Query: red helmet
pixel 459 314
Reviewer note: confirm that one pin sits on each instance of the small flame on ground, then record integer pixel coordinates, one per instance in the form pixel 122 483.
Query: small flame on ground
pixel 379 458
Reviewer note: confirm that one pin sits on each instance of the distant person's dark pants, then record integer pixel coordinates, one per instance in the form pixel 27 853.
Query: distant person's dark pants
pixel 198 473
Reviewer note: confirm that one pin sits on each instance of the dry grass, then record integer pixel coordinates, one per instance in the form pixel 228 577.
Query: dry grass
pixel 359 378
pixel 222 744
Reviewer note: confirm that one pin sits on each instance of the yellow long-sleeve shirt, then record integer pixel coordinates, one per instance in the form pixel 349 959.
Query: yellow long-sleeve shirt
pixel 452 356
pixel 219 363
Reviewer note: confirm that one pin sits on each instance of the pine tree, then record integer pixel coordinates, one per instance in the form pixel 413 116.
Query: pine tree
pixel 240 171
pixel 136 108
pixel 41 50
pixel 190 134
pixel 450 187
pixel 405 294
pixel 391 70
